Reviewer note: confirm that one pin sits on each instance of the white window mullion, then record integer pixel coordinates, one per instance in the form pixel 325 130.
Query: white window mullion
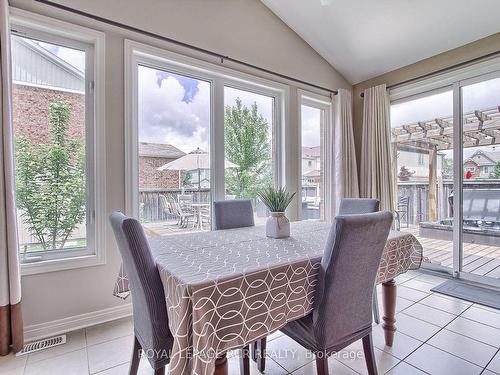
pixel 217 140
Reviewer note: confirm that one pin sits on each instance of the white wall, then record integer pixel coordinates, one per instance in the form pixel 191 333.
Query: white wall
pixel 242 29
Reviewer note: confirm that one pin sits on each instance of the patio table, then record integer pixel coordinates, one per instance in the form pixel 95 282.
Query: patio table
pixel 226 289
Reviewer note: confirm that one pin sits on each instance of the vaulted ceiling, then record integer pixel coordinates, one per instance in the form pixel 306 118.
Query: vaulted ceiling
pixel 365 38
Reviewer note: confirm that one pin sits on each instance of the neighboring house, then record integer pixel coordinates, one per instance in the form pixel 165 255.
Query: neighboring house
pixel 482 164
pixel 311 173
pixel 153 156
pixel 311 159
pixel 39 79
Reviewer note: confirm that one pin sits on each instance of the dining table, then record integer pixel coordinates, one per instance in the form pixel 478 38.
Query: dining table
pixel 226 289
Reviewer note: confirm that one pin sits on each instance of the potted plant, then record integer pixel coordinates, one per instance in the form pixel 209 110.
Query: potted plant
pixel 277 200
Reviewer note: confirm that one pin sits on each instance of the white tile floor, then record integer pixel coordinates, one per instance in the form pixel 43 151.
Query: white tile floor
pixel 436 335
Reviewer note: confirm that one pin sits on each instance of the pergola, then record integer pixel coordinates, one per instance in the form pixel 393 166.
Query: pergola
pixel 480 128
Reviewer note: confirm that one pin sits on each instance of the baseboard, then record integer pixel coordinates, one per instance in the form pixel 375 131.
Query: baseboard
pixel 56 327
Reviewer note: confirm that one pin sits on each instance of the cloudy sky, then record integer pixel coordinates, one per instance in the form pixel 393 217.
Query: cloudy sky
pixel 311 126
pixel 71 56
pixel 176 110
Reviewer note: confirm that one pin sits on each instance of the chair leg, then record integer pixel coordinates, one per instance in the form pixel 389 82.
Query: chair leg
pixel 136 357
pixel 369 354
pixel 260 354
pixel 160 371
pixel 245 361
pixel 376 311
pixel 322 365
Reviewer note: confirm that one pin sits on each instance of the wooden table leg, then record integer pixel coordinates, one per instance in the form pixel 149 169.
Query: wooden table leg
pixel 389 297
pixel 221 365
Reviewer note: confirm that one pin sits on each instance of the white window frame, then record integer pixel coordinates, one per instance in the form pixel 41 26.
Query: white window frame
pixel 324 104
pixel 219 77
pixel 52 30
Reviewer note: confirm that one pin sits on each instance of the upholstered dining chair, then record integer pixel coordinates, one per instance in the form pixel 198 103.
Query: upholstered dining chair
pixel 232 214
pixel 152 335
pixel 354 206
pixel 342 306
pixel 348 271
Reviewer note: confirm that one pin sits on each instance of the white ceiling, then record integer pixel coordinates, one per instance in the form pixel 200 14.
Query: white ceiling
pixel 365 38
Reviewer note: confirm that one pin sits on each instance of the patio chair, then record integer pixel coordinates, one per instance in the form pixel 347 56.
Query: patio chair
pixel 342 312
pixel 402 210
pixel 185 200
pixel 177 210
pixel 151 331
pixel 184 214
pixel 351 206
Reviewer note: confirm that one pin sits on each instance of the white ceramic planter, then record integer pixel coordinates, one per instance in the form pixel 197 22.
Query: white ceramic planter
pixel 277 225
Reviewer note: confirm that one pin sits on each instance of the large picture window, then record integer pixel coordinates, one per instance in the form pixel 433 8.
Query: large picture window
pixel 197 134
pixel 54 121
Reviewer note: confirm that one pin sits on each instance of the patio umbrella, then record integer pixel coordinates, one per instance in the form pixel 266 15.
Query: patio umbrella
pixel 196 160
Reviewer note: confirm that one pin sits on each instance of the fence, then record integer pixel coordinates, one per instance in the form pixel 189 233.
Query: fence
pixel 418 193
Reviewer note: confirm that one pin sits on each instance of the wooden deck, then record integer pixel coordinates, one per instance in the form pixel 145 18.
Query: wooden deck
pixel 480 260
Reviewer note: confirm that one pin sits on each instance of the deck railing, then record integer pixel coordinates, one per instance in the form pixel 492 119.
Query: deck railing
pixel 418 193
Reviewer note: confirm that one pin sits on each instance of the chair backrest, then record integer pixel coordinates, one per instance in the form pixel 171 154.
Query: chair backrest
pixel 353 206
pixel 343 301
pixel 185 198
pixel 148 296
pixel 165 204
pixel 404 201
pixel 233 214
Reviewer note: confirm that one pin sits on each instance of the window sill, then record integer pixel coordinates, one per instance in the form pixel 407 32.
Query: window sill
pixel 61 264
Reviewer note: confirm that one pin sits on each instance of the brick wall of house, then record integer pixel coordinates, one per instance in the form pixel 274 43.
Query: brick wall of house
pixel 31 112
pixel 31 119
pixel 150 178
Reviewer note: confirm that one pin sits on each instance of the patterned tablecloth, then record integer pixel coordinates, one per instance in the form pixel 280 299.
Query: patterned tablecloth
pixel 225 289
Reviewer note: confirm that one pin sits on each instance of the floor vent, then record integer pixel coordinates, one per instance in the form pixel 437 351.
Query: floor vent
pixel 36 346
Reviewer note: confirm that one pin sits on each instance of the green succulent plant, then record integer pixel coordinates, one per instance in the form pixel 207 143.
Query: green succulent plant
pixel 276 200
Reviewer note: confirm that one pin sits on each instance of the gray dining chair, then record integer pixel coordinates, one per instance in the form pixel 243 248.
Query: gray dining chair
pixel 364 235
pixel 152 335
pixel 342 303
pixel 232 214
pixel 356 206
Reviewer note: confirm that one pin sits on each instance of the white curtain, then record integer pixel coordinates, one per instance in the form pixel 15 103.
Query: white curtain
pixel 11 323
pixel 345 173
pixel 376 163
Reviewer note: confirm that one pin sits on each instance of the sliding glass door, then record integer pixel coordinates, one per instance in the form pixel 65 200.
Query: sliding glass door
pixel 422 148
pixel 479 253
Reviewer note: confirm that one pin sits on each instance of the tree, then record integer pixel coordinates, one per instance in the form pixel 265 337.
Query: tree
pixel 50 182
pixel 247 145
pixel 447 168
pixel 496 172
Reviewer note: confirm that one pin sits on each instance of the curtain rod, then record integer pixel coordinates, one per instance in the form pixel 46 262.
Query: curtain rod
pixel 182 44
pixel 443 70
